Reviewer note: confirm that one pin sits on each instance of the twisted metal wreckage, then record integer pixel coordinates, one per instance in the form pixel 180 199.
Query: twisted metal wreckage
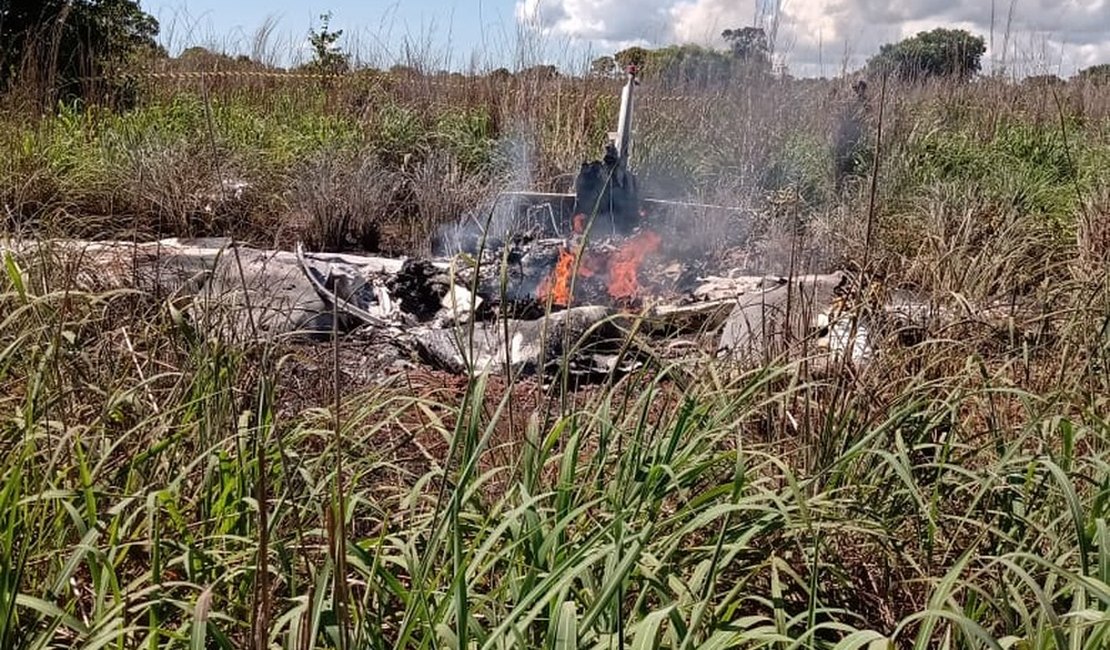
pixel 561 287
pixel 451 312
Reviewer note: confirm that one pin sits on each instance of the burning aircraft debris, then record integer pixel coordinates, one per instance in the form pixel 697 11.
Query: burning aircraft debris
pixel 449 314
pixel 585 271
pixel 602 234
pixel 562 288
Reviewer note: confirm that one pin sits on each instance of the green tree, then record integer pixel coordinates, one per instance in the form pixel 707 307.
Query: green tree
pixel 1042 81
pixel 327 56
pixel 637 56
pixel 201 58
pixel 691 65
pixel 542 72
pixel 1099 74
pixel 940 53
pixel 750 46
pixel 63 41
pixel 677 64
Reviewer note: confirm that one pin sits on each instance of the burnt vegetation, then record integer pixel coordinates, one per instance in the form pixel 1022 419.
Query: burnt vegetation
pixel 161 489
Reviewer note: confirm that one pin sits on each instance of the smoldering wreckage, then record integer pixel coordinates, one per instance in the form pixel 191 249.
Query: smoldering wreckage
pixel 581 283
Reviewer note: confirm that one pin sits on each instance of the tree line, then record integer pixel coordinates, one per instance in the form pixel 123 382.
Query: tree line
pixel 64 41
pixel 941 53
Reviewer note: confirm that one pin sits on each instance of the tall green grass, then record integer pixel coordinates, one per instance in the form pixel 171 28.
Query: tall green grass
pixel 162 490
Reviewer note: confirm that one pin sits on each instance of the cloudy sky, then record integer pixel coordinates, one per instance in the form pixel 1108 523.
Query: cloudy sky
pixel 813 37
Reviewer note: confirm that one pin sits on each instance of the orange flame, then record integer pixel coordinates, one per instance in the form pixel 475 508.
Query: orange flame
pixel 623 268
pixel 624 265
pixel 556 286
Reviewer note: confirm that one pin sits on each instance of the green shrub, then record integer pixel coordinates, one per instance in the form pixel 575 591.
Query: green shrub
pixel 467 135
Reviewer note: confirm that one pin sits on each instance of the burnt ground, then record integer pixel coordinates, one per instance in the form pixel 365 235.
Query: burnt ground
pixel 413 431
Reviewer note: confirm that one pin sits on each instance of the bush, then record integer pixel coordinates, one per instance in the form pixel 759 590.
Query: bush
pixel 1097 74
pixel 53 44
pixel 946 53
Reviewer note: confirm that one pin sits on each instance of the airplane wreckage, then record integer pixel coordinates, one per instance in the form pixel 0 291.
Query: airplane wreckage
pixel 585 283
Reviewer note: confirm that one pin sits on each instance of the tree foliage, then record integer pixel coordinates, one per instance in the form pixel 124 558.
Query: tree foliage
pixel 750 46
pixel 327 56
pixel 940 53
pixel 1099 74
pixel 65 40
pixel 684 64
pixel 690 65
pixel 1042 81
pixel 637 56
pixel 748 52
pixel 202 58
pixel 542 72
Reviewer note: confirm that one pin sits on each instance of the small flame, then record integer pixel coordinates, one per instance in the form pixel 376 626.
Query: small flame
pixel 556 286
pixel 625 264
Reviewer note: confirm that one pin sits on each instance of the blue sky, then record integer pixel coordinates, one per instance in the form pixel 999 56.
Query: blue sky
pixel 811 37
pixel 441 33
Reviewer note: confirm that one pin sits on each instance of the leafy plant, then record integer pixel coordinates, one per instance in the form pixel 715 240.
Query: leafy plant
pixel 327 56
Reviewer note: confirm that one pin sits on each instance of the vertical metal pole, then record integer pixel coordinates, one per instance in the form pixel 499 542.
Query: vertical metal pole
pixel 624 122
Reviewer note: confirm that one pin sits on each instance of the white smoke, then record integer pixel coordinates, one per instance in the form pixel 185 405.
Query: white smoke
pixel 821 37
pixel 493 221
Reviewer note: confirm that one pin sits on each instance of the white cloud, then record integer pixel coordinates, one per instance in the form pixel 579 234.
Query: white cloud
pixel 609 22
pixel 821 36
